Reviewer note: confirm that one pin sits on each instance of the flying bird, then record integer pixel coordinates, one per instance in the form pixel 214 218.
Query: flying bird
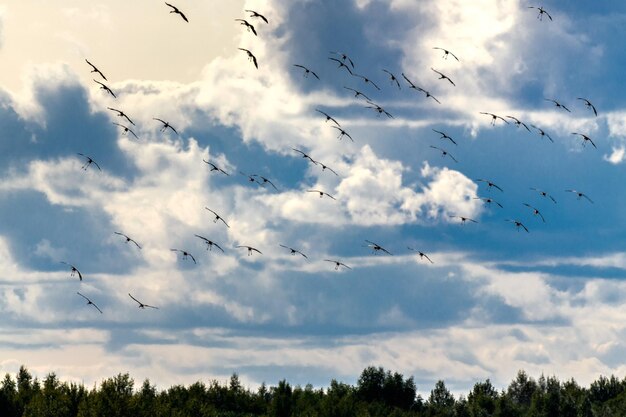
pixel 217 217
pixel 518 224
pixel 518 122
pixel 488 201
pixel 367 80
pixel 536 212
pixel 343 57
pixel 328 117
pixel 89 302
pixel 105 88
pixel 357 93
pixel 416 88
pixel 126 129
pixel 248 26
pixel 542 11
pixel 250 249
pixel 463 219
pixel 321 193
pixel 579 195
pixel 251 57
pixel 293 251
pixel 73 271
pixel 444 153
pixel 337 264
pixel 585 139
pixel 122 114
pixel 128 239
pixel 421 254
pixel 165 126
pixel 446 53
pixel 306 71
pixel 376 247
pixel 588 105
pixel 209 243
pixel 175 10
pixel 557 104
pixel 257 15
pixel 341 65
pixel 379 109
pixel 494 118
pixel 325 167
pixel 264 181
pixel 304 155
pixel 215 167
pixel 393 79
pixel 444 136
pixel 251 178
pixel 88 162
pixel 543 194
pixel 343 133
pixel 185 254
pixel 489 184
pixel 96 70
pixel 442 76
pixel 142 305
pixel 542 133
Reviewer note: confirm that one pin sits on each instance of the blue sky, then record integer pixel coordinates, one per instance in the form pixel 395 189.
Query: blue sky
pixel 494 300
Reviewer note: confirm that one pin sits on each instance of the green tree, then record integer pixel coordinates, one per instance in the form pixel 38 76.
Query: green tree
pixel 482 400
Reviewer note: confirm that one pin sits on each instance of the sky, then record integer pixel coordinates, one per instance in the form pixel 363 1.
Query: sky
pixel 535 283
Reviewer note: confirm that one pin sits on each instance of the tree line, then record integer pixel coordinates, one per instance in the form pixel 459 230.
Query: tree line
pixel 378 393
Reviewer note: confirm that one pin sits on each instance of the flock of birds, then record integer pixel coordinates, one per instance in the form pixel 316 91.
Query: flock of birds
pixel 344 63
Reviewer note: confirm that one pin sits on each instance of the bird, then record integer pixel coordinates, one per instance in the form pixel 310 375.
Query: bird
pixel 306 71
pixel 536 212
pixel 337 264
pixel 165 126
pixel 142 305
pixel 413 86
pixel 185 254
pixel 518 224
pixel 542 133
pixel 251 57
pixel 444 136
pixel 105 88
pixel 585 139
pixel 126 129
pixel 343 133
pixel 328 117
pixel 321 193
pixel 341 65
pixel 444 153
pixel 542 11
pixel 543 194
pixel 122 114
pixel 393 79
pixel 257 15
pixel 251 178
pixel 89 302
pixel 96 70
pixel 293 251
pixel 357 93
pixel 494 118
pixel 557 104
pixel 518 122
pixel 442 76
pixel 579 195
pixel 248 26
pixel 421 254
pixel 128 239
pixel 367 81
pixel 250 249
pixel 446 53
pixel 264 181
pixel 376 247
pixel 489 184
pixel 88 162
pixel 488 201
pixel 215 167
pixel 217 217
pixel 379 109
pixel 304 155
pixel 589 105
pixel 344 57
pixel 209 243
pixel 325 167
pixel 74 271
pixel 175 10
pixel 463 219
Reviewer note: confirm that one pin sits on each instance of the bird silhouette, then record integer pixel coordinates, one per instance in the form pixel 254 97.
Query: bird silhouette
pixel 248 26
pixel 416 88
pixel 185 254
pixel 126 129
pixel 494 118
pixel 304 155
pixel 442 76
pixel 444 136
pixel 88 162
pixel 376 247
pixel 321 193
pixel 558 104
pixel 328 117
pixel 542 133
pixel 543 194
pixel 422 255
pixel 250 249
pixel 89 302
pixel 177 11
pixel 217 217
pixel 337 264
pixel 215 167
pixel 325 167
pixel 446 53
pixel 367 80
pixel 488 201
pixel 490 184
pixel 251 177
pixel 251 57
pixel 588 105
pixel 341 65
pixel 580 195
pixel 585 139
pixel 357 93
pixel 264 181
pixel 96 70
pixel 378 109
pixel 122 114
pixel 257 15
pixel 517 224
pixel 166 125
pixel 536 211
pixel 306 71
pixel 73 270
pixel 128 239
pixel 444 153
pixel 342 133
pixel 209 243
pixel 343 58
pixel 542 12
pixel 518 122
pixel 463 219
pixel 293 251
pixel 393 79
pixel 142 305
pixel 105 88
